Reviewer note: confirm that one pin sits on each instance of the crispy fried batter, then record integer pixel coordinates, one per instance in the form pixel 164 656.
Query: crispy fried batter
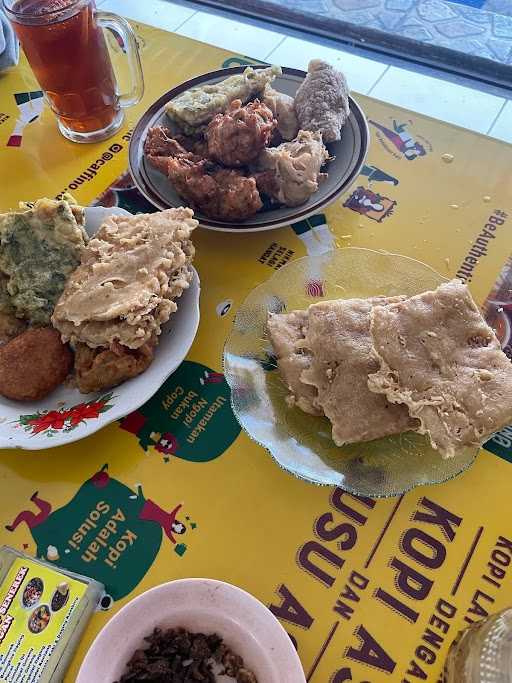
pixel 283 108
pixel 225 194
pixel 102 368
pixel 160 143
pixel 33 364
pixel 217 192
pixel 290 173
pixel 438 356
pixel 287 332
pixel 338 338
pixel 131 272
pixel 238 136
pixel 322 100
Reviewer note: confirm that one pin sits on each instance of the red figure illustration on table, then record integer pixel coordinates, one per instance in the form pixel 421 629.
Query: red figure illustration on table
pixel 402 139
pixel 30 105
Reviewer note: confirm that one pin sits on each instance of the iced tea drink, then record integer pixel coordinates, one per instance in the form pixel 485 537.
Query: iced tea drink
pixel 64 44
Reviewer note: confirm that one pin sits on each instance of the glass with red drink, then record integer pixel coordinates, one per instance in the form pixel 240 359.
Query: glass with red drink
pixel 64 44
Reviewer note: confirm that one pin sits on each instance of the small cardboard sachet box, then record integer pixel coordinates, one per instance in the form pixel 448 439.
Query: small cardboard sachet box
pixel 43 612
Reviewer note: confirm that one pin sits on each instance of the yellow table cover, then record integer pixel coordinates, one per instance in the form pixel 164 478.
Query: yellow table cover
pixel 369 590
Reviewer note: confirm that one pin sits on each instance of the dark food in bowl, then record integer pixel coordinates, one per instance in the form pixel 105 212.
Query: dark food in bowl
pixel 178 656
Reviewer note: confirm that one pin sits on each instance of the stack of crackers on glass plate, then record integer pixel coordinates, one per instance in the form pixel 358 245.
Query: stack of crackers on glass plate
pixel 385 365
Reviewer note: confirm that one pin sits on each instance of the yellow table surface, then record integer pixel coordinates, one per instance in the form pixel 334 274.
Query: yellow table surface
pixel 368 590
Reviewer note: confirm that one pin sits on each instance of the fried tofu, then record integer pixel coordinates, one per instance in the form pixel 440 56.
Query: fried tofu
pixel 437 356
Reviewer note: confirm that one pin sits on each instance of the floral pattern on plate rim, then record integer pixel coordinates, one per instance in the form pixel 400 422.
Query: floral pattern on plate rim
pixel 53 422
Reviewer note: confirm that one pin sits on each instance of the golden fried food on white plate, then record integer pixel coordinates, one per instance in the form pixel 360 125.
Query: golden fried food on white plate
pixel 136 272
pixel 122 290
pixel 34 364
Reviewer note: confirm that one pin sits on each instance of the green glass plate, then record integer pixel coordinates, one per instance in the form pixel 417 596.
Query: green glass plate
pixel 302 443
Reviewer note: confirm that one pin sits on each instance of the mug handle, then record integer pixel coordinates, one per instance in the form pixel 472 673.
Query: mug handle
pixel 122 27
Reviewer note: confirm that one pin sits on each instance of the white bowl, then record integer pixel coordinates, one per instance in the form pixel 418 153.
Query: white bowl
pixel 198 605
pixel 17 429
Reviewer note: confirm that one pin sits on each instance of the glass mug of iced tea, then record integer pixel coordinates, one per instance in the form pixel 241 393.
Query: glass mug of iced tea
pixel 64 44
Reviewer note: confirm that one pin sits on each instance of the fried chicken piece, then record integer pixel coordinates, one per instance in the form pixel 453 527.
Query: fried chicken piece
pixel 283 108
pixel 224 194
pixel 238 136
pixel 321 102
pixel 196 145
pixel 102 368
pixel 33 364
pixel 160 145
pixel 290 173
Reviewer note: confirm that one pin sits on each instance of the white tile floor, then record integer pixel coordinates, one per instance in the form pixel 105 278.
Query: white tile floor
pixel 453 102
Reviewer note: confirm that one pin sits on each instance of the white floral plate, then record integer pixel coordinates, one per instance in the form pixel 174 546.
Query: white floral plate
pixel 199 605
pixel 66 415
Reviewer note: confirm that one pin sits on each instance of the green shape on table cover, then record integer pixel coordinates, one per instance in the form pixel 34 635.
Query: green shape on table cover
pixel 106 531
pixel 190 417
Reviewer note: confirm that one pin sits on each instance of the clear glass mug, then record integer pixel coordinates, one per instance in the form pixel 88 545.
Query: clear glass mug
pixel 66 49
pixel 483 652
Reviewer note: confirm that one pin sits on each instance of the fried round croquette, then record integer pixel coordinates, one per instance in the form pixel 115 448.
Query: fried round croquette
pixel 33 364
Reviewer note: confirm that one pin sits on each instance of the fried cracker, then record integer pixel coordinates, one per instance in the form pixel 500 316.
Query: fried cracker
pixel 338 335
pixel 286 332
pixel 439 357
